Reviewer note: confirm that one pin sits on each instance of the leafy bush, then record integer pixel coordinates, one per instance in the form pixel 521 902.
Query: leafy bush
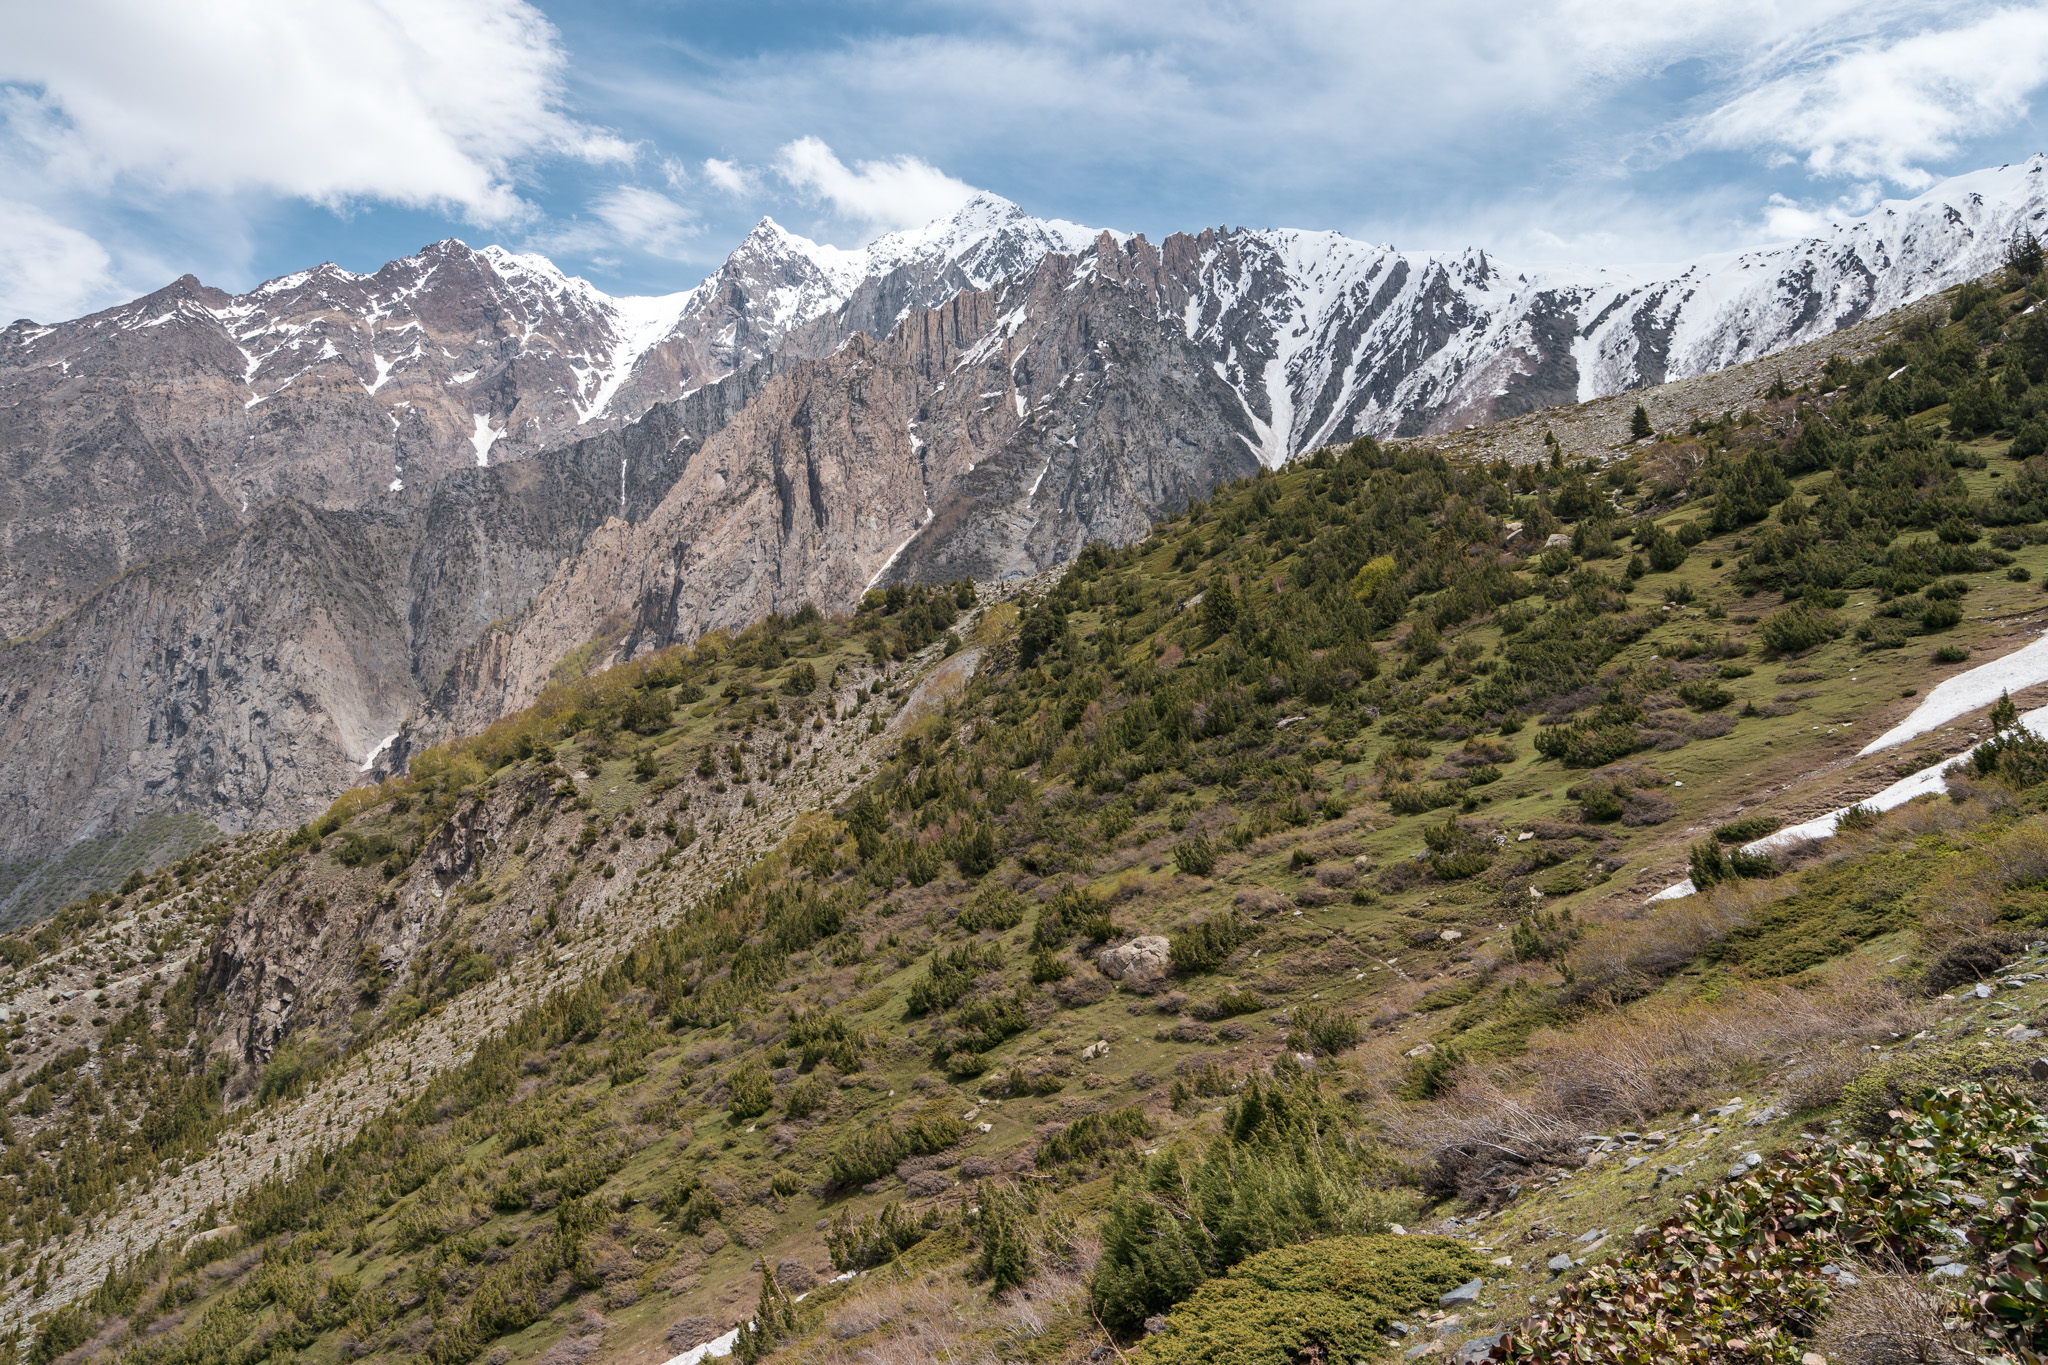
pixel 1093 1135
pixel 997 907
pixel 1795 630
pixel 1073 911
pixel 296 1061
pixel 1195 856
pixel 1205 945
pixel 1230 1004
pixel 1973 959
pixel 358 850
pixel 691 1205
pixel 1599 802
pixel 1455 852
pixel 807 1097
pixel 877 1239
pixel 61 1332
pixel 978 1025
pixel 1414 798
pixel 1004 1259
pixel 974 851
pixel 1710 866
pixel 1323 1030
pixel 750 1091
pixel 1740 1266
pixel 1048 966
pixel 1940 616
pixel 821 1035
pixel 1430 1074
pixel 1328 1300
pixel 1748 829
pixel 1869 1099
pixel 952 974
pixel 1283 1170
pixel 1704 696
pixel 1540 935
pixel 1584 745
pixel 2014 754
pixel 872 1152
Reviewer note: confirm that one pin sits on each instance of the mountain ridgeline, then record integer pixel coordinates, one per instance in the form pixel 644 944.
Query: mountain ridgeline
pixel 249 538
pixel 1235 948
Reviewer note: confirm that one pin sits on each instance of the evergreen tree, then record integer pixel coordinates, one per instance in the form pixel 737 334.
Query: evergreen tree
pixel 2024 254
pixel 1639 423
pixel 774 1321
pixel 1219 607
pixel 1005 1260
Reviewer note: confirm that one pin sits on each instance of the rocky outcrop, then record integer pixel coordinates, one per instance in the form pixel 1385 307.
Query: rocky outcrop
pixel 1144 958
pixel 985 439
pixel 305 951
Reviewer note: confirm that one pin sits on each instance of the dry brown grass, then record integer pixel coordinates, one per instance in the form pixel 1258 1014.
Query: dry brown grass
pixel 1896 1317
pixel 1623 958
pixel 1631 1064
pixel 940 1319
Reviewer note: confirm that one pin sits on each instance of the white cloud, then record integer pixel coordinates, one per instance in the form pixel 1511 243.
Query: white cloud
pixel 646 220
pixel 885 195
pixel 423 103
pixel 47 271
pixel 1886 106
pixel 1374 114
pixel 1785 218
pixel 731 177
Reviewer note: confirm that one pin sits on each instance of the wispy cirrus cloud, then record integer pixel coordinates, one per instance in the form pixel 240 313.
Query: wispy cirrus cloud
pixel 1888 106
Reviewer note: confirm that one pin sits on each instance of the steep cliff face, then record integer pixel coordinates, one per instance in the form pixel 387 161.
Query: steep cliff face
pixel 143 430
pixel 358 498
pixel 988 438
pixel 249 680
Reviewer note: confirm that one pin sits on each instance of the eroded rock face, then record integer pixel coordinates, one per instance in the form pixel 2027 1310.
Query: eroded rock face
pixel 249 680
pixel 989 438
pixel 303 953
pixel 244 538
pixel 1143 958
pixel 143 430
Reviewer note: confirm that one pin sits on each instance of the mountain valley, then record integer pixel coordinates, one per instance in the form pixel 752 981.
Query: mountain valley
pixel 978 399
pixel 1021 795
pixel 1328 922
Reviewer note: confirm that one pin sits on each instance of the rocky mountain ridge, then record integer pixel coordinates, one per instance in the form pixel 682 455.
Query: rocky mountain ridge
pixel 977 399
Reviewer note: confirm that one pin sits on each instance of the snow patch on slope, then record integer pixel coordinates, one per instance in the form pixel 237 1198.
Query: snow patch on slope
pixel 482 439
pixel 643 322
pixel 1929 781
pixel 1967 692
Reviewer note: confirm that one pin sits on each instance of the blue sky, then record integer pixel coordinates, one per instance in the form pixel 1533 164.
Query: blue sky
pixel 636 142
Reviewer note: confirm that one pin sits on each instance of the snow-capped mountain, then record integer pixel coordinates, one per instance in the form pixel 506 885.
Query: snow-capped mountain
pixel 249 536
pixel 1325 338
pixel 776 283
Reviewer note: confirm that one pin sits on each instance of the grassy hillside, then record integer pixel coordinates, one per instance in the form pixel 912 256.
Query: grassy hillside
pixel 1270 885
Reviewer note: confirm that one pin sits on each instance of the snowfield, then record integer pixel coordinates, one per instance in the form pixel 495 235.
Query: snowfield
pixel 1928 781
pixel 1967 692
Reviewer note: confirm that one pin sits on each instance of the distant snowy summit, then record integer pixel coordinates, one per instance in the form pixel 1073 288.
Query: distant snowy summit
pixel 491 354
